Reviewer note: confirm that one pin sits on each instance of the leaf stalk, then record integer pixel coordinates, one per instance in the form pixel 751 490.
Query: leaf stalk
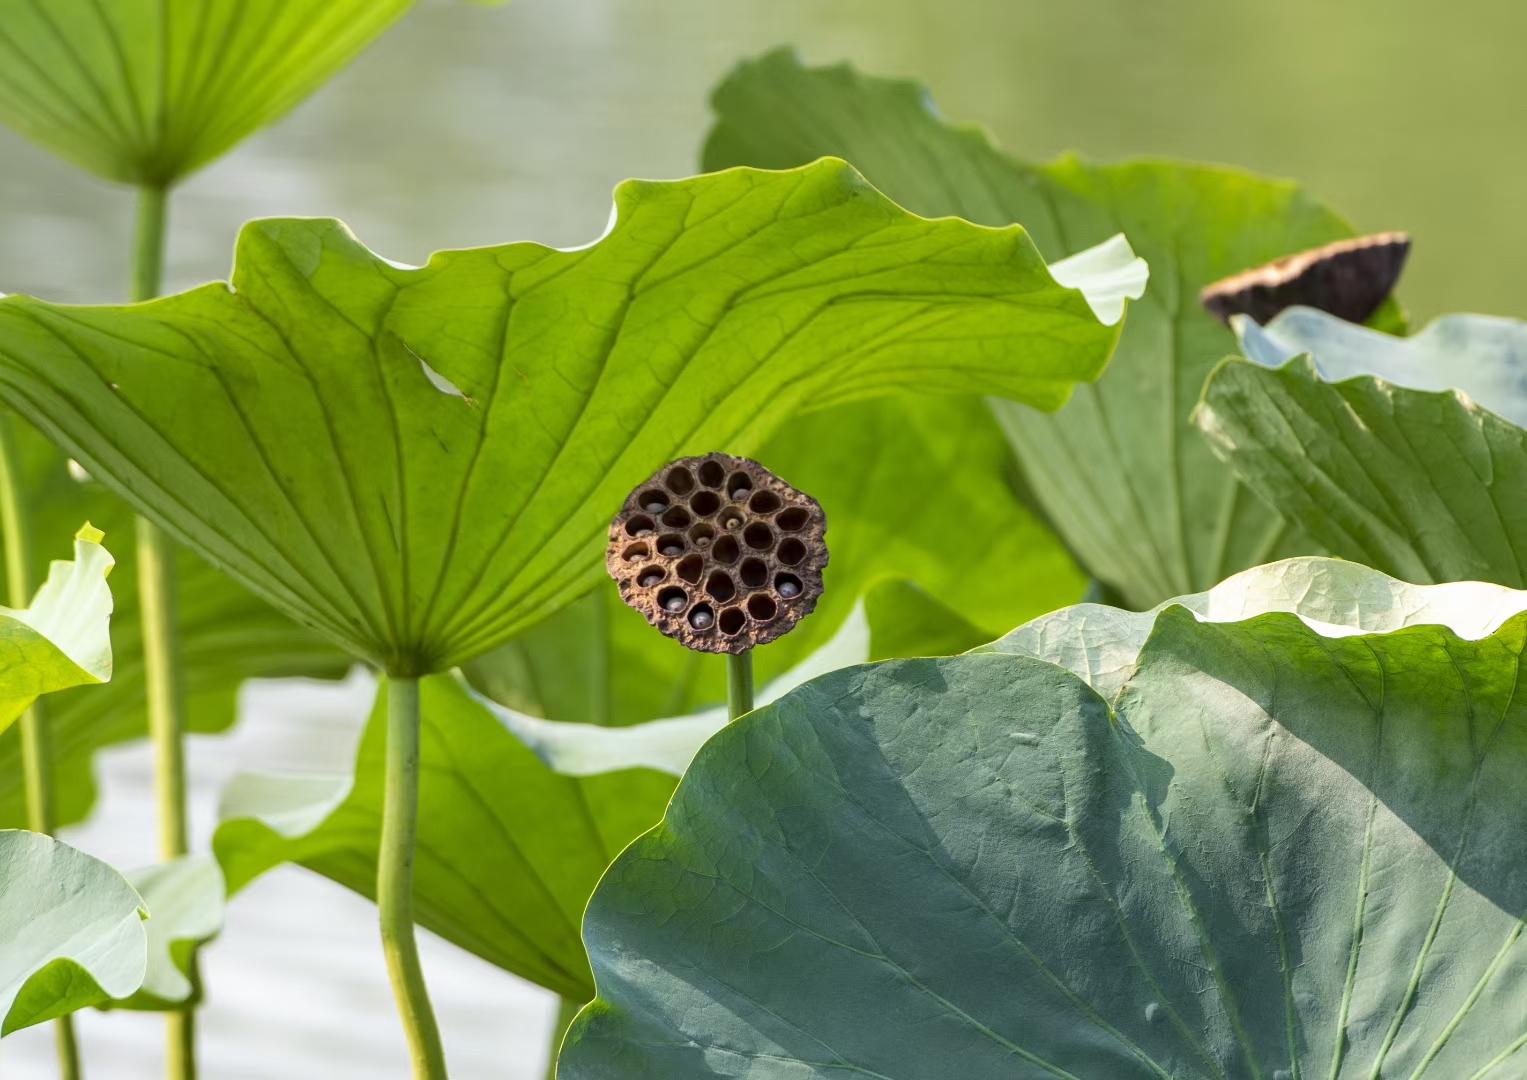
pixel 739 684
pixel 159 608
pixel 395 881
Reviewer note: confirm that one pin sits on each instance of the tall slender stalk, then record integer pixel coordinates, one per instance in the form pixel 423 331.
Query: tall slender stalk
pixel 36 737
pixel 161 651
pixel 739 683
pixel 395 881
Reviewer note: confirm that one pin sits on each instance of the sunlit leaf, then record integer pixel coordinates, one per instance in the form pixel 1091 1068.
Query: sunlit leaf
pixel 1119 471
pixel 63 638
pixel 71 931
pixel 147 92
pixel 1367 445
pixel 913 489
pixel 423 462
pixel 1284 848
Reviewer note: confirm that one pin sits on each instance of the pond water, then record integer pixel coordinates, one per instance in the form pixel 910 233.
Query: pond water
pixel 468 126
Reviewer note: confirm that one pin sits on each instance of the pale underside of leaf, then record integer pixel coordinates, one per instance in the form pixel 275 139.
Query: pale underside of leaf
pixel 71 930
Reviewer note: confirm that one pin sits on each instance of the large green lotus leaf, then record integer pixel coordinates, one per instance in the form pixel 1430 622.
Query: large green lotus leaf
pixel 509 847
pixel 1287 849
pixel 1370 445
pixel 423 462
pixel 63 638
pixel 1119 471
pixel 226 636
pixel 147 92
pixel 913 489
pixel 71 931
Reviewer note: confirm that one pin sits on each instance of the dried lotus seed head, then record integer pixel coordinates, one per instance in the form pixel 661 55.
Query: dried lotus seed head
pixel 719 553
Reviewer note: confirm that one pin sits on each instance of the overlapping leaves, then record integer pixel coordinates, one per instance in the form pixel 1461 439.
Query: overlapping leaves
pixel 423 462
pixel 1275 848
pixel 1403 453
pixel 1119 471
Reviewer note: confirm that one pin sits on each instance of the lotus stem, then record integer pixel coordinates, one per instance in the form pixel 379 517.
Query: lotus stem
pixel 395 881
pixel 160 616
pixel 36 736
pixel 567 1008
pixel 739 684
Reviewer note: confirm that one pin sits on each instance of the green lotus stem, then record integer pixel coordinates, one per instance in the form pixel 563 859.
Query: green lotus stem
pixel 36 736
pixel 159 612
pixel 739 684
pixel 395 880
pixel 566 1010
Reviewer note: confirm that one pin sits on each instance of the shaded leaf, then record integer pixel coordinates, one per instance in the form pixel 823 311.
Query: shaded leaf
pixel 1286 850
pixel 146 93
pixel 1119 470
pixel 71 931
pixel 431 524
pixel 508 851
pixel 1363 445
pixel 226 636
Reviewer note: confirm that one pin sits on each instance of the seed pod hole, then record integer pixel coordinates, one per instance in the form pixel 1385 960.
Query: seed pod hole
pixel 762 607
pixel 650 576
pixel 738 485
pixel 732 620
pixel 758 536
pixel 711 474
pixel 731 518
pixel 672 599
pixel 680 481
pixel 640 525
pixel 704 503
pixel 793 520
pixel 792 551
pixel 725 550
pixel 690 568
pixel 676 518
pixel 753 573
pixel 787 585
pixel 634 552
pixel 702 617
pixel 720 586
pixel 764 502
pixel 654 502
pixel 701 535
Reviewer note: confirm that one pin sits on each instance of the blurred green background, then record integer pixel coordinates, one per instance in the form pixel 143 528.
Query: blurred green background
pixel 468 125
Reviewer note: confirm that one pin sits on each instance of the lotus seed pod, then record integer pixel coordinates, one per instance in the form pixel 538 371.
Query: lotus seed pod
pixel 719 553
pixel 1348 279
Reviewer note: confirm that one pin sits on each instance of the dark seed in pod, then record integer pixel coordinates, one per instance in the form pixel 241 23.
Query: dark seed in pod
pixel 652 577
pixel 674 603
pixel 788 589
pixel 700 618
pixel 673 549
pixel 656 507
